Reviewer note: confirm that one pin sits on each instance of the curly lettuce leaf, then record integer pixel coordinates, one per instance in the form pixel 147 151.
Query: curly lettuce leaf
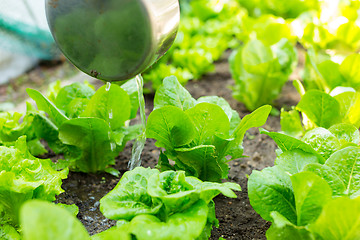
pixel 187 224
pixel 72 98
pixel 15 125
pixel 130 198
pixel 178 192
pixel 8 232
pixel 147 191
pixel 25 177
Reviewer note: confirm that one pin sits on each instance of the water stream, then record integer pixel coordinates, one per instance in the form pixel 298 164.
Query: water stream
pixel 112 143
pixel 139 143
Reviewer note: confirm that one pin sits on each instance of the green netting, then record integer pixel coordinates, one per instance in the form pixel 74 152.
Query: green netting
pixel 23 29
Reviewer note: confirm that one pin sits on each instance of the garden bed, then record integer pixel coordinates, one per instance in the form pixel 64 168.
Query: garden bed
pixel 237 218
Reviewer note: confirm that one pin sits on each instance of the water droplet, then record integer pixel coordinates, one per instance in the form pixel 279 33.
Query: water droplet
pixel 112 146
pixel 108 86
pixel 111 114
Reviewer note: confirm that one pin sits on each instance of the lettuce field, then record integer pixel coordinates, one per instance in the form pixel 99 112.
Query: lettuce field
pixel 252 131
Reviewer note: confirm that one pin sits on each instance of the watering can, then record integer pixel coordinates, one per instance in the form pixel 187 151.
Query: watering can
pixel 113 40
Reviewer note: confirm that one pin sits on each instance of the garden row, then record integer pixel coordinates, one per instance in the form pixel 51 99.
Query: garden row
pixel 206 129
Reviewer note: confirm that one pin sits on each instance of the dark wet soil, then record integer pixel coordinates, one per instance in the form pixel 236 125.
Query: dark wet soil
pixel 237 218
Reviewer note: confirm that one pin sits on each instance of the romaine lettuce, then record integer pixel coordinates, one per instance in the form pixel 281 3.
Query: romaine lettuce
pixel 88 127
pixel 198 134
pixel 260 71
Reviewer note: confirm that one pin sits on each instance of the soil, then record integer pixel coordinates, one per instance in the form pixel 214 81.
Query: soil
pixel 237 218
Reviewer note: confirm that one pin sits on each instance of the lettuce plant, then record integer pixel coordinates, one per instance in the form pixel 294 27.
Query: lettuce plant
pixel 14 125
pixel 312 178
pixel 320 109
pixel 200 134
pixel 24 177
pixel 260 71
pixel 324 74
pixel 89 128
pixel 161 205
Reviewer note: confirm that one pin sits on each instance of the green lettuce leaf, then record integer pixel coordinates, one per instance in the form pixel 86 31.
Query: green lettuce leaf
pixel 339 220
pixel 294 161
pixel 271 190
pixel 200 138
pixel 311 194
pixel 46 221
pixel 68 94
pixel 113 106
pixel 130 198
pixel 291 123
pixel 170 126
pixel 25 177
pixel 44 104
pixel 322 141
pixel 284 229
pixel 172 93
pixel 187 224
pixel 91 136
pixel 346 163
pixel 349 101
pixel 178 192
pixel 346 133
pixel 288 143
pixel 8 232
pixel 322 109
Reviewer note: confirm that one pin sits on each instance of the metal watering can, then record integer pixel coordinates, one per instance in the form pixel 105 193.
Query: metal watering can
pixel 113 40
